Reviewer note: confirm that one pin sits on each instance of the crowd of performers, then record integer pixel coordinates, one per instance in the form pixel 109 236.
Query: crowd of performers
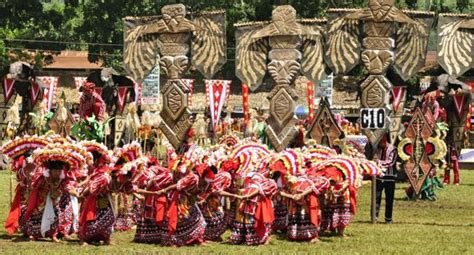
pixel 67 187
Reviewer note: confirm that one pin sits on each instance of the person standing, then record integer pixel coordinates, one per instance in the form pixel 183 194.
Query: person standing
pixel 386 157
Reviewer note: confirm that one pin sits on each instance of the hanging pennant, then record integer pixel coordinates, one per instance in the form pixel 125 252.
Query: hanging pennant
pixel 398 93
pixel 459 104
pixel 190 84
pixel 310 96
pixel 34 92
pixel 217 92
pixel 8 89
pixel 122 93
pixel 245 103
pixel 49 95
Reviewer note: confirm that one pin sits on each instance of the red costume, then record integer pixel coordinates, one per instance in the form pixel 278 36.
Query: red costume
pixel 91 103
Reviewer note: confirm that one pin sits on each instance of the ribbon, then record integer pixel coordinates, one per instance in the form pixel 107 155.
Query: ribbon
pixel 459 104
pixel 245 103
pixel 397 95
pixel 12 222
pixel 122 92
pixel 8 89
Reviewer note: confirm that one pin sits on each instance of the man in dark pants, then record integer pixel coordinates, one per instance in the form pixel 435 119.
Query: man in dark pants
pixel 386 156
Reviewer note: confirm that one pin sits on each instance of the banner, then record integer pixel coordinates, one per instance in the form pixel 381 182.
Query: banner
pixel 190 84
pixel 122 93
pixel 150 87
pixel 324 90
pixel 310 96
pixel 398 93
pixel 138 93
pixel 34 92
pixel 459 104
pixel 245 103
pixel 51 85
pixel 217 92
pixel 8 89
pixel 79 81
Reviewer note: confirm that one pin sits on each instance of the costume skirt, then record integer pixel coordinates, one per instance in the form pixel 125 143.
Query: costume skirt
pixel 300 227
pixel 100 229
pixel 190 229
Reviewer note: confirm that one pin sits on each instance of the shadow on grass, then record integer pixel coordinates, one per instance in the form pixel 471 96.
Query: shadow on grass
pixel 417 223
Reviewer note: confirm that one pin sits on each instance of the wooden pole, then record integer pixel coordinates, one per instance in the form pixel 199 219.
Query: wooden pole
pixel 373 215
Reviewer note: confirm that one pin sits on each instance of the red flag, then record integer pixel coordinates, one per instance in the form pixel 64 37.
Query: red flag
pixel 122 92
pixel 8 89
pixel 310 96
pixel 459 104
pixel 397 96
pixel 217 92
pixel 245 103
pixel 34 92
pixel 190 84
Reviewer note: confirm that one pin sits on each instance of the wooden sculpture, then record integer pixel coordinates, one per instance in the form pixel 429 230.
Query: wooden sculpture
pixel 391 38
pixel 324 128
pixel 456 43
pixel 284 47
pixel 173 37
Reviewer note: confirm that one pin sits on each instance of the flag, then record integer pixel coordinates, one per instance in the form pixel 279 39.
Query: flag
pixel 190 84
pixel 459 104
pixel 310 96
pixel 398 93
pixel 8 89
pixel 217 92
pixel 34 92
pixel 122 93
pixel 49 96
pixel 245 103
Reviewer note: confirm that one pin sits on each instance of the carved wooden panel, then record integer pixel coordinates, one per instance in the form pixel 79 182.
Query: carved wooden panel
pixel 375 91
pixel 324 128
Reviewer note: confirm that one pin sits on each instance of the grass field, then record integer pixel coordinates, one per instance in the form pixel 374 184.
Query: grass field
pixel 445 226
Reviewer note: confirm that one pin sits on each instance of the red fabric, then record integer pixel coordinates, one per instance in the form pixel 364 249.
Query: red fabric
pixel 88 213
pixel 34 92
pixel 12 222
pixel 91 104
pixel 172 213
pixel 264 215
pixel 397 95
pixel 353 199
pixel 310 96
pixel 32 203
pixel 313 205
pixel 456 170
pixel 121 94
pixel 160 205
pixel 8 89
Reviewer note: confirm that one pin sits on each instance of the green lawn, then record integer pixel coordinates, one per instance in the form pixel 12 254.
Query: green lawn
pixel 445 226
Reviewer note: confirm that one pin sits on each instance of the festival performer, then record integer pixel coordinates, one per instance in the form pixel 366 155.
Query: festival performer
pixel 149 222
pixel 19 150
pixel 452 164
pixel 91 103
pixel 386 158
pixel 181 220
pixel 254 218
pixel 52 206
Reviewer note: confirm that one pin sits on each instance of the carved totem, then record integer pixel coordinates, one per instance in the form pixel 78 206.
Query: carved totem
pixel 391 38
pixel 284 47
pixel 324 129
pixel 173 38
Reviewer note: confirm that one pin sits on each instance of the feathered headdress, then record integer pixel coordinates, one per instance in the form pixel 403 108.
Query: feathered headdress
pixel 23 145
pixel 98 148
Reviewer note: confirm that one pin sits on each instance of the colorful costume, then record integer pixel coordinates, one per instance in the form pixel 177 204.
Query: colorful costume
pixel 91 103
pixel 254 218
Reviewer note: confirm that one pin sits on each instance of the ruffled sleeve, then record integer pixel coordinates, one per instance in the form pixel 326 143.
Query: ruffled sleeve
pixel 189 182
pixel 221 182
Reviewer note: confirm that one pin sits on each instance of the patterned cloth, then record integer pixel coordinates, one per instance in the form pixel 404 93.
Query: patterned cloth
pixel 100 229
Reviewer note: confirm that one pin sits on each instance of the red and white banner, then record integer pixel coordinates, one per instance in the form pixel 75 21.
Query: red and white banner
pixel 190 84
pixel 217 93
pixel 245 103
pixel 122 93
pixel 34 92
pixel 310 96
pixel 51 85
pixel 459 104
pixel 79 81
pixel 398 94
pixel 8 89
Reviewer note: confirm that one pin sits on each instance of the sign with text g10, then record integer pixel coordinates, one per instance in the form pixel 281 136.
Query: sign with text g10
pixel 372 118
